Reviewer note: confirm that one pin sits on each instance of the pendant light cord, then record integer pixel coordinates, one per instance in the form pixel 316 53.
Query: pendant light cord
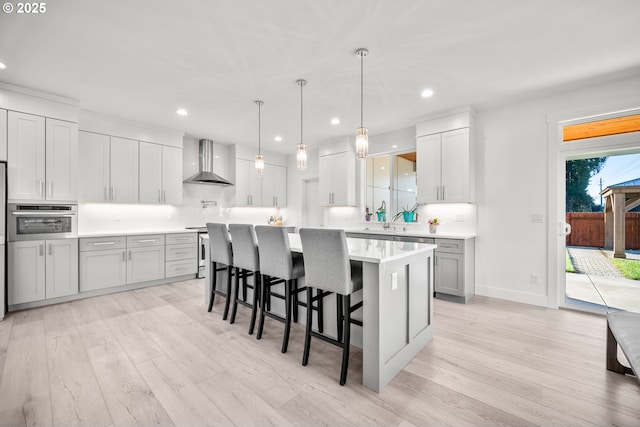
pixel 361 89
pixel 301 111
pixel 259 104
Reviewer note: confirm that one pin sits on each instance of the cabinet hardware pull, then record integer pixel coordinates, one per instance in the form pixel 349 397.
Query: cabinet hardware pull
pixel 41 247
pixel 50 249
pixel 247 200
pixel 106 192
pixel 124 255
pixel 113 192
pixel 164 196
pixel 443 192
pixel 50 188
pixel 146 240
pixel 42 189
pixel 129 255
pixel 104 243
pixel 159 197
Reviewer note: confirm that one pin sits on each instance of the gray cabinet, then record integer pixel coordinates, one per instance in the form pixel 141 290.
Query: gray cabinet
pixel 181 254
pixel 455 269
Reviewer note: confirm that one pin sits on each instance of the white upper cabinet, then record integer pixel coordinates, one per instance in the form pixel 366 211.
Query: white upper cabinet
pixel 248 184
pixel 171 175
pixel 337 179
pixel 274 186
pixel 445 164
pixel 109 168
pixel 3 134
pixel 150 173
pixel 26 156
pixel 61 168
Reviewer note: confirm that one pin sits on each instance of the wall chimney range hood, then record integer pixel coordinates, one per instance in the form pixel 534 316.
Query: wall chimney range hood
pixel 206 174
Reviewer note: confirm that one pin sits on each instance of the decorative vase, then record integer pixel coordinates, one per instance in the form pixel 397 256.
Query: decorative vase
pixel 367 218
pixel 433 228
pixel 408 216
pixel 381 216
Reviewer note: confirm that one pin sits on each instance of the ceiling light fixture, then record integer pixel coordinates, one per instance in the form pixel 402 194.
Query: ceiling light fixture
pixel 427 93
pixel 182 112
pixel 259 156
pixel 362 136
pixel 301 152
pixel 335 121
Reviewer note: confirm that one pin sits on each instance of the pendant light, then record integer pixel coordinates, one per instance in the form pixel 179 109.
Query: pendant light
pixel 362 135
pixel 259 156
pixel 301 152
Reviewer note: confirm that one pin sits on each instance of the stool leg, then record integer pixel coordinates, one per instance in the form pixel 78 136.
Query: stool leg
pixel 307 329
pixel 235 298
pixel 340 316
pixel 320 306
pixel 347 338
pixel 268 296
pixel 287 323
pixel 295 300
pixel 214 280
pixel 263 297
pixel 244 286
pixel 256 297
pixel 227 301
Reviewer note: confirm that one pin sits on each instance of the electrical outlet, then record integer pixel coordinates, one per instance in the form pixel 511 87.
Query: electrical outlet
pixel 459 217
pixel 535 279
pixel 394 281
pixel 537 218
pixel 116 218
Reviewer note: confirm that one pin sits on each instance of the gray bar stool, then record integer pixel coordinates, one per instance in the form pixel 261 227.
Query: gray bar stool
pixel 327 268
pixel 247 264
pixel 220 252
pixel 277 265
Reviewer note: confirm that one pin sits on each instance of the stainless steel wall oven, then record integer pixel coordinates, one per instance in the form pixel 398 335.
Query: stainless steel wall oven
pixel 39 222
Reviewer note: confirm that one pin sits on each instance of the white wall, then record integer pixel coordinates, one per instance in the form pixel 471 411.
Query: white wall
pixel 511 185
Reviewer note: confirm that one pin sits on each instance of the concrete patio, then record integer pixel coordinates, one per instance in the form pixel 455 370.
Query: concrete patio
pixel 597 281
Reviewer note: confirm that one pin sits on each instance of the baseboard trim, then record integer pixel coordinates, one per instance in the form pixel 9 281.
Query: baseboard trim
pixel 515 296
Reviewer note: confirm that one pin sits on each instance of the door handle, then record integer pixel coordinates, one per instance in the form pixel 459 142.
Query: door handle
pixel 565 229
pixel 41 247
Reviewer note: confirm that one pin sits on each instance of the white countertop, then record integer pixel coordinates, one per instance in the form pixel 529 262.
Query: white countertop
pixel 412 233
pixel 134 232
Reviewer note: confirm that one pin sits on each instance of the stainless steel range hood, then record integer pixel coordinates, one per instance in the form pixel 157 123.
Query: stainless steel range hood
pixel 206 174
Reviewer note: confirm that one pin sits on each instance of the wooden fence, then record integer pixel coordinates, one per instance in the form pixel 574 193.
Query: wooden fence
pixel 587 229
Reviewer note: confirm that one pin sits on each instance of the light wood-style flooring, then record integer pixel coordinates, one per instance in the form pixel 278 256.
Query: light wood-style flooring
pixel 155 356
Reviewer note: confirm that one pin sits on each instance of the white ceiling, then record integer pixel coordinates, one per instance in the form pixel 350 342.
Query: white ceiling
pixel 141 60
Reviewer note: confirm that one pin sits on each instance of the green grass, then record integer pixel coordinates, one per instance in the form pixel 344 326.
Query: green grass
pixel 569 267
pixel 628 267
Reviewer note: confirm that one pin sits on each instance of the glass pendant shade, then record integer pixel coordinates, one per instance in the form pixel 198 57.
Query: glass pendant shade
pixel 301 156
pixel 260 164
pixel 362 143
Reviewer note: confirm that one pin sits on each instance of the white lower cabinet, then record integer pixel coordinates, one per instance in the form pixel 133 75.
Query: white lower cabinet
pixel 455 269
pixel 145 264
pixel 42 269
pixel 181 254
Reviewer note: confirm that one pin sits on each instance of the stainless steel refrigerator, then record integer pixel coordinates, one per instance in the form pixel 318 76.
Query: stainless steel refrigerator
pixel 3 237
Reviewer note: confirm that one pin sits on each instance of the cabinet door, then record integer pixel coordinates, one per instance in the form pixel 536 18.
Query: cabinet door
pixel 61 160
pixel 455 166
pixel 124 170
pixel 325 182
pixel 242 187
pixel 103 269
pixel 343 179
pixel 172 175
pixel 26 271
pixel 280 185
pixel 3 135
pixel 428 154
pixel 269 185
pixel 150 173
pixel 61 268
pixel 145 264
pixel 94 158
pixel 449 273
pixel 26 156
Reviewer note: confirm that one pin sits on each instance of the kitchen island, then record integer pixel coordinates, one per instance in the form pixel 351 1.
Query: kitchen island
pixel 397 310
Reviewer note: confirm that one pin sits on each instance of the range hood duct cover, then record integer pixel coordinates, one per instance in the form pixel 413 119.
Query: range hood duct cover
pixel 206 174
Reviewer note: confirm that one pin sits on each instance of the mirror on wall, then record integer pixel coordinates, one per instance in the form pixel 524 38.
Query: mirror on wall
pixel 390 184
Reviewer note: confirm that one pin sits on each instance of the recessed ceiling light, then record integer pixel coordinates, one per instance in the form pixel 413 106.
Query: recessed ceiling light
pixel 278 138
pixel 2 66
pixel 335 121
pixel 394 146
pixel 427 93
pixel 182 112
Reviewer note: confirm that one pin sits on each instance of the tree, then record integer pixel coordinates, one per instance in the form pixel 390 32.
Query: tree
pixel 578 174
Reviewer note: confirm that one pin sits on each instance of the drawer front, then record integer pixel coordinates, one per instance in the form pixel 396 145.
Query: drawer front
pixel 102 243
pixel 142 241
pixel 452 246
pixel 185 251
pixel 181 268
pixel 176 239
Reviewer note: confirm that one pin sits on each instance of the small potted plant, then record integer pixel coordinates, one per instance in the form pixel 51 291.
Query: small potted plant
pixel 433 224
pixel 367 215
pixel 382 212
pixel 407 214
